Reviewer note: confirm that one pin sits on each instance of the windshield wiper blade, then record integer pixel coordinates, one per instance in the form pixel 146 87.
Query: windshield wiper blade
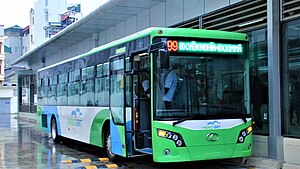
pixel 186 118
pixel 237 113
pixel 228 108
pixel 212 106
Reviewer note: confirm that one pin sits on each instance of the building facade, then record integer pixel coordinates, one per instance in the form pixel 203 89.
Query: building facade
pixel 46 19
pixel 7 99
pixel 13 44
pixel 1 54
pixel 273 28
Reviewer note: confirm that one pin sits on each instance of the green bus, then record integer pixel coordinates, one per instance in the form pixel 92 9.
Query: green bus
pixel 178 94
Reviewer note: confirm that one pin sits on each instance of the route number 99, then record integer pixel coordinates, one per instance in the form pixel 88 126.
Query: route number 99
pixel 172 45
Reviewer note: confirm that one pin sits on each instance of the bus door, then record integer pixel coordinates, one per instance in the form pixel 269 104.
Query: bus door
pixel 117 106
pixel 141 104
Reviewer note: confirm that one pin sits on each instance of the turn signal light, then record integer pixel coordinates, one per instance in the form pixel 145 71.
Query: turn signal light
pixel 243 134
pixel 177 138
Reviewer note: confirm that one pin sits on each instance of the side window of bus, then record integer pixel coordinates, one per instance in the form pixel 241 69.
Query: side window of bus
pixel 45 90
pixel 102 85
pixel 73 87
pixel 52 95
pixel 62 89
pixel 87 86
pixel 41 95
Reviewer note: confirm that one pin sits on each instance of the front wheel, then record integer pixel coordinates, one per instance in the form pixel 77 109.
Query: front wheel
pixel 55 137
pixel 110 154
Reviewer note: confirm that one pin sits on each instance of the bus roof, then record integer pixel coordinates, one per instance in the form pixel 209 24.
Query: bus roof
pixel 157 31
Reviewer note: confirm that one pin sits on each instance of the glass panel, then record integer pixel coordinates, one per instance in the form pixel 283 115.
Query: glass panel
pixel 25 95
pixel 105 69
pixel 128 64
pixel 73 93
pixel 62 94
pixel 52 95
pixel 87 93
pixel 40 98
pixel 258 58
pixel 100 70
pixel 291 89
pixel 117 65
pixel 117 97
pixel 63 78
pixel 117 90
pixel 45 94
pixel 195 85
pixel 74 76
pixel 102 91
pixel 88 73
pixel 128 91
pixel 45 82
pixel 53 80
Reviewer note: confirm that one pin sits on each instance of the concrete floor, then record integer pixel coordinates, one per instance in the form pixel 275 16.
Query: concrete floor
pixel 23 146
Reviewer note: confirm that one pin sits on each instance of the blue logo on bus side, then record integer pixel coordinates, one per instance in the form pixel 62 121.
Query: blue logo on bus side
pixel 76 118
pixel 213 125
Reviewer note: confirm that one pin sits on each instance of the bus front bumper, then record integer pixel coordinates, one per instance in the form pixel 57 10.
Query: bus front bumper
pixel 197 153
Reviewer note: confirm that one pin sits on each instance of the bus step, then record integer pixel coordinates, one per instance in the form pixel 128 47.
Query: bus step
pixel 145 150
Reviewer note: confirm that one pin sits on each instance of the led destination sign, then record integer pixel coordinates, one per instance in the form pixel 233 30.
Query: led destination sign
pixel 204 47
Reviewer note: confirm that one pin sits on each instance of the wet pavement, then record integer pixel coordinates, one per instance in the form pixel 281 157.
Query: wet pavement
pixel 23 146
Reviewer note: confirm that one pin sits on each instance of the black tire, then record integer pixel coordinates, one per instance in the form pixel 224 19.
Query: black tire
pixel 54 135
pixel 110 155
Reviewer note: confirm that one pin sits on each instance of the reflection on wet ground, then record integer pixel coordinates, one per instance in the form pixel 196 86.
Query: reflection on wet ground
pixel 23 146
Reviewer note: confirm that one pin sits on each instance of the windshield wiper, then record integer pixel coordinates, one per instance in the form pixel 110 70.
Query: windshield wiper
pixel 234 111
pixel 187 118
pixel 211 106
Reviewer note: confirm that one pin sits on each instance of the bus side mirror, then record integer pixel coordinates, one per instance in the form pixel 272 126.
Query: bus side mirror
pixel 163 59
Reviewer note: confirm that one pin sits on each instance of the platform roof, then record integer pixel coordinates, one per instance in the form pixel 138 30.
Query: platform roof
pixel 106 16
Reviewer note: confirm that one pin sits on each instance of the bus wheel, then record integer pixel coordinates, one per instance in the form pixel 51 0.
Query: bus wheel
pixel 54 135
pixel 110 154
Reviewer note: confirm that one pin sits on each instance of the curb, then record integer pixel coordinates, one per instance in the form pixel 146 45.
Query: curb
pixel 263 162
pixel 290 166
pixel 28 120
pixel 29 117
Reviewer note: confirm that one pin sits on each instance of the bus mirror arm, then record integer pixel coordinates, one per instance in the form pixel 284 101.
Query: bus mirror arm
pixel 133 72
pixel 157 46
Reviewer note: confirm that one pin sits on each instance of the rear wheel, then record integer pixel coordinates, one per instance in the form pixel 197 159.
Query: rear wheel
pixel 55 137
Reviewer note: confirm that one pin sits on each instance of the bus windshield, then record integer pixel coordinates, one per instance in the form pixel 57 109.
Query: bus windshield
pixel 205 87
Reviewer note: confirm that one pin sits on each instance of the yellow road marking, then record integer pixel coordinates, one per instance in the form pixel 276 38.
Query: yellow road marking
pixel 67 161
pixel 111 165
pixel 91 167
pixel 103 159
pixel 85 160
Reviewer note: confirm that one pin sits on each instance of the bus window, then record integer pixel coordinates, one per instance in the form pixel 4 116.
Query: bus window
pixel 88 73
pixel 101 91
pixel 221 82
pixel 52 95
pixel 62 94
pixel 87 86
pixel 128 91
pixel 73 93
pixel 62 89
pixel 87 93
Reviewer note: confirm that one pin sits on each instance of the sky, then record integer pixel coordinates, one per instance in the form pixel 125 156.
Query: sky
pixel 16 12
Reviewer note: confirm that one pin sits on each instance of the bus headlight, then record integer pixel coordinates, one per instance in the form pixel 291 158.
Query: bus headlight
pixel 243 134
pixel 177 138
pixel 179 143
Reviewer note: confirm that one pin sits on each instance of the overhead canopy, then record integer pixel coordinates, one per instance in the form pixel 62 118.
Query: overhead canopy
pixel 106 16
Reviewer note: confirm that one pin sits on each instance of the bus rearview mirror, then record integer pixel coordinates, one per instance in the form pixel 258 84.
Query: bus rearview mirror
pixel 163 59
